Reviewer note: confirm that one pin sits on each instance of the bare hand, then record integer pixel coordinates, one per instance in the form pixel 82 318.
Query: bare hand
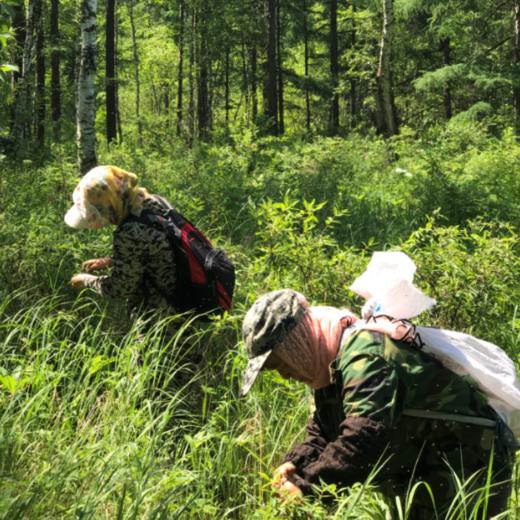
pixel 96 264
pixel 289 492
pixel 78 281
pixel 283 473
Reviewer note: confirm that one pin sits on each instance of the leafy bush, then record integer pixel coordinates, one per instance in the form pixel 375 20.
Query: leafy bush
pixel 102 416
pixel 293 250
pixel 473 273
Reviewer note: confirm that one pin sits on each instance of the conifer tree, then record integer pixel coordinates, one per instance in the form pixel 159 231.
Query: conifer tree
pixel 110 70
pixel 270 69
pixel 386 113
pixel 86 99
pixel 54 40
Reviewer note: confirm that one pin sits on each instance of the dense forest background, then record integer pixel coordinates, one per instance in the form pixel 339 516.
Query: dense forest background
pixel 301 136
pixel 155 72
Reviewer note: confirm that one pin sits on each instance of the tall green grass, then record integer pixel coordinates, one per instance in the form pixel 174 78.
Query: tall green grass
pixel 97 422
pixel 104 418
pixel 101 422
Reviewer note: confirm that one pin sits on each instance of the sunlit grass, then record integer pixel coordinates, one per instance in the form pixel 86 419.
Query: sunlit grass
pixel 98 421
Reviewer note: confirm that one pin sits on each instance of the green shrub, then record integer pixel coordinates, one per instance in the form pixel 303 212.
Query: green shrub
pixel 473 272
pixel 100 417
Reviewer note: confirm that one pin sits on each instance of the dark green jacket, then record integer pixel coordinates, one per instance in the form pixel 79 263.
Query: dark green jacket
pixel 365 417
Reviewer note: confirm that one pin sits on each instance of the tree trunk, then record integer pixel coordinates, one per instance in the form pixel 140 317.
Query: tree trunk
pixel 270 74
pixel 446 56
pixel 18 25
pixel 211 92
pixel 40 75
pixel 386 114
pixel 110 71
pixel 306 67
pixel 226 87
pixel 245 81
pixel 54 37
pixel 22 112
pixel 116 76
pixel 191 83
pixel 86 103
pixel 354 102
pixel 135 53
pixel 516 65
pixel 180 72
pixel 17 45
pixel 279 66
pixel 334 68
pixel 254 72
pixel 154 104
pixel 166 99
pixel 203 115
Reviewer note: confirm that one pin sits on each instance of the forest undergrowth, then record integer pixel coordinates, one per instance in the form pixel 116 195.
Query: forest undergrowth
pixel 104 418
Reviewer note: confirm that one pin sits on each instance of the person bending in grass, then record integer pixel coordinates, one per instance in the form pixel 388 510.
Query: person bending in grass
pixel 382 407
pixel 143 263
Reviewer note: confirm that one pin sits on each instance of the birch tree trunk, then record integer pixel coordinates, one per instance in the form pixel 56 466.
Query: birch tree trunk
pixel 386 115
pixel 86 101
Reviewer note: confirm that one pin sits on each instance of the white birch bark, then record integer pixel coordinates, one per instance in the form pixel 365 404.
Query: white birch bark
pixel 86 100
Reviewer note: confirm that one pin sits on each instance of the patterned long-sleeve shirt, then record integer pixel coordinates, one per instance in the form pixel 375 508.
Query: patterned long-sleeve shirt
pixel 365 418
pixel 143 264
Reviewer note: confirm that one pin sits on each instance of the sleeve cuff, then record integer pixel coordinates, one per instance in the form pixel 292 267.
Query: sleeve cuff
pixel 304 485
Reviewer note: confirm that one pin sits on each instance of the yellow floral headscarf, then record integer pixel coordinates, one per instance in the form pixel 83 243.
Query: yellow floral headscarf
pixel 105 195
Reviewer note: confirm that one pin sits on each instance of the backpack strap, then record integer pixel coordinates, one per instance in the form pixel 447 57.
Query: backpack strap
pixel 428 414
pixel 148 218
pixel 178 219
pixel 162 201
pixel 445 416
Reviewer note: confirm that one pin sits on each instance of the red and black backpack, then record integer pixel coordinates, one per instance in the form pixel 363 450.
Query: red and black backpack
pixel 205 276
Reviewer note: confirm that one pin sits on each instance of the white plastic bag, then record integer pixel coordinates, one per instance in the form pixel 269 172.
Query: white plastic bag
pixel 387 286
pixel 488 365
